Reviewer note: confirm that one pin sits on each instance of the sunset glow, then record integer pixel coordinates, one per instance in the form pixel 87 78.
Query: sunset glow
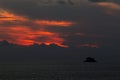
pixel 24 35
pixel 7 16
pixel 54 23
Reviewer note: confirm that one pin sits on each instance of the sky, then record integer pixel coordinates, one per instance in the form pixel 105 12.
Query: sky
pixel 69 23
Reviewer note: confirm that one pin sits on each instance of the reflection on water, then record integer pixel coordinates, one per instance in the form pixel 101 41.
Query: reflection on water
pixel 59 72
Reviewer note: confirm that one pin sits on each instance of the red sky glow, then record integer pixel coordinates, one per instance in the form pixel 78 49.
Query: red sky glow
pixel 21 34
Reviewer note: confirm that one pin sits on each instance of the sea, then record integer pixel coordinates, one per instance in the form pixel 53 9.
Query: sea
pixel 82 71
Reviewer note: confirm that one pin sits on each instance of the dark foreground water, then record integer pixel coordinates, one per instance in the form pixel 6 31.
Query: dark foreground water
pixel 87 71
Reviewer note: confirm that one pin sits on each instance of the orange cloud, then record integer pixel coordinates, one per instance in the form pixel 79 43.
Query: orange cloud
pixel 7 16
pixel 110 5
pixel 54 23
pixel 23 34
pixel 110 8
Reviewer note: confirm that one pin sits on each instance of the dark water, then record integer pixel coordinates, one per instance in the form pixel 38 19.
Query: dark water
pixel 91 71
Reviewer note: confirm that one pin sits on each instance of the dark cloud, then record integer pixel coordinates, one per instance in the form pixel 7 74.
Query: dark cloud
pixel 97 0
pixel 114 1
pixel 97 22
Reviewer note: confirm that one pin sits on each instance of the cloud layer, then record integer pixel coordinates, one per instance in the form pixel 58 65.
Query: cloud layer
pixel 26 22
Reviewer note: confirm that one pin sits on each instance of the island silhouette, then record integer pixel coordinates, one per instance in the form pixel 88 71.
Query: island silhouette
pixel 90 59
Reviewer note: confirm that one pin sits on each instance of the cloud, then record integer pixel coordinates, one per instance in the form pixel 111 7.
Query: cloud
pixel 110 8
pixel 86 23
pixel 17 26
pixel 97 0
